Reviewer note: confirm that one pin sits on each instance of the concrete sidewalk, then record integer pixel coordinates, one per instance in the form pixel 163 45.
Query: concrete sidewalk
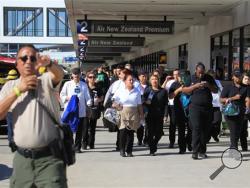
pixel 103 167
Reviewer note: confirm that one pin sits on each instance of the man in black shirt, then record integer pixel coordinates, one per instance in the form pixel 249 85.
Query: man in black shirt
pixel 200 109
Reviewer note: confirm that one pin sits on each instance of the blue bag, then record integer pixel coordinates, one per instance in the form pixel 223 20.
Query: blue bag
pixel 185 101
pixel 231 109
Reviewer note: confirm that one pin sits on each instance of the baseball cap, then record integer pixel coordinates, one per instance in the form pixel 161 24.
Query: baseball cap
pixel 236 73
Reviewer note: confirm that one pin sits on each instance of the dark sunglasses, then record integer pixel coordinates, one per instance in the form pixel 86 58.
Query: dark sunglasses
pixel 25 58
pixel 91 76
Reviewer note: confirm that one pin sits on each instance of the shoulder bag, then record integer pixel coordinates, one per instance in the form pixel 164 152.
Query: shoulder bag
pixel 63 146
pixel 230 109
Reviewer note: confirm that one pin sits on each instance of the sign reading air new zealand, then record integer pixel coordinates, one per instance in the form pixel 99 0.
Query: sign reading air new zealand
pixel 116 41
pixel 125 27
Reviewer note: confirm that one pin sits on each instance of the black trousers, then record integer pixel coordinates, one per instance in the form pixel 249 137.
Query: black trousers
pixel 145 140
pixel 189 134
pixel 140 134
pixel 126 140
pixel 244 134
pixel 200 118
pixel 172 125
pixel 235 124
pixel 182 142
pixel 81 134
pixel 155 131
pixel 184 131
pixel 216 123
pixel 118 140
pixel 92 130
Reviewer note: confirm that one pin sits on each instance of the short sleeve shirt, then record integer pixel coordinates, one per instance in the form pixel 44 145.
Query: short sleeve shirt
pixel 232 90
pixel 33 128
pixel 128 98
pixel 202 96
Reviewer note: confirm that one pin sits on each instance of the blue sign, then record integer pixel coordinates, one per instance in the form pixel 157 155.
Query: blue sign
pixel 83 26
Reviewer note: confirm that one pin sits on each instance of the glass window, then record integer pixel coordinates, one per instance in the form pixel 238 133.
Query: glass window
pixel 183 56
pixel 58 25
pixel 3 48
pixel 13 48
pixel 236 49
pixel 246 65
pixel 219 56
pixel 23 22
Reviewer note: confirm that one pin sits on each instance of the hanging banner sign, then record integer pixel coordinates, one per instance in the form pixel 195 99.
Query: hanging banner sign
pixel 116 41
pixel 125 27
pixel 82 46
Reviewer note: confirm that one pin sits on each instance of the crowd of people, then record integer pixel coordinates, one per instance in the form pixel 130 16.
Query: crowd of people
pixel 142 101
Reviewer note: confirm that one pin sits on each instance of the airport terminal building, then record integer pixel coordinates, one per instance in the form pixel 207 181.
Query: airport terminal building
pixel 145 33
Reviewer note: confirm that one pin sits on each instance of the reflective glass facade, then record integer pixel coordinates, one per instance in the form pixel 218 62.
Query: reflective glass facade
pixel 230 50
pixel 23 21
pixel 58 23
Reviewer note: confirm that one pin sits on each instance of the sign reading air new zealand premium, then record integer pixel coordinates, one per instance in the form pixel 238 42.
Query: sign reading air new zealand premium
pixel 125 27
pixel 116 41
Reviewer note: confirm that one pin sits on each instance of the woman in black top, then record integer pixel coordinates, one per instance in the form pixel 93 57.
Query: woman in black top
pixel 236 94
pixel 94 111
pixel 179 116
pixel 155 99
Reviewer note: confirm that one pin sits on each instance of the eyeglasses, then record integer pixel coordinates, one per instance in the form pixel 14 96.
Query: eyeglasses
pixel 25 58
pixel 91 77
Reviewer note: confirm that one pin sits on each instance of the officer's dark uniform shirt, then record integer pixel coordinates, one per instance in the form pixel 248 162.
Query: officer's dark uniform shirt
pixel 158 102
pixel 202 96
pixel 232 90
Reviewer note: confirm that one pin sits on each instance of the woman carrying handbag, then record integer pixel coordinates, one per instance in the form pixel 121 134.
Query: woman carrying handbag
pixel 234 98
pixel 127 101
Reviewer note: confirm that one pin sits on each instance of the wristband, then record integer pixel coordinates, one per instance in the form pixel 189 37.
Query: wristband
pixel 17 91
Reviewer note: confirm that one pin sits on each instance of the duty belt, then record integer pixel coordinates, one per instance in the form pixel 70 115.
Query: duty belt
pixel 34 153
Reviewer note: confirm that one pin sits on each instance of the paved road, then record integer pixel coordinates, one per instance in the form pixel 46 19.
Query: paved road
pixel 103 167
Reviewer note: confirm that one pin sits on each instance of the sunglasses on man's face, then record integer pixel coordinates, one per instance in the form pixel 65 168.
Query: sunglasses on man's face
pixel 25 58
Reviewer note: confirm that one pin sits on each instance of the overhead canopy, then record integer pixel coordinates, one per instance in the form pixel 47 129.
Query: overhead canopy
pixel 183 13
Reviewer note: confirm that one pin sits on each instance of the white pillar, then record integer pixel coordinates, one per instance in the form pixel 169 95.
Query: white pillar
pixel 198 47
pixel 173 58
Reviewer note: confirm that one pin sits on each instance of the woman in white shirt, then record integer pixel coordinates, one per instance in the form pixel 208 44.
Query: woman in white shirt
pixel 128 101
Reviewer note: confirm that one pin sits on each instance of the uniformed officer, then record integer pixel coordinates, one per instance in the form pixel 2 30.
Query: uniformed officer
pixel 200 108
pixel 33 164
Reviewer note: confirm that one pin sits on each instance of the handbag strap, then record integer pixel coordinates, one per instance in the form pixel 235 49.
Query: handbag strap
pixel 49 113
